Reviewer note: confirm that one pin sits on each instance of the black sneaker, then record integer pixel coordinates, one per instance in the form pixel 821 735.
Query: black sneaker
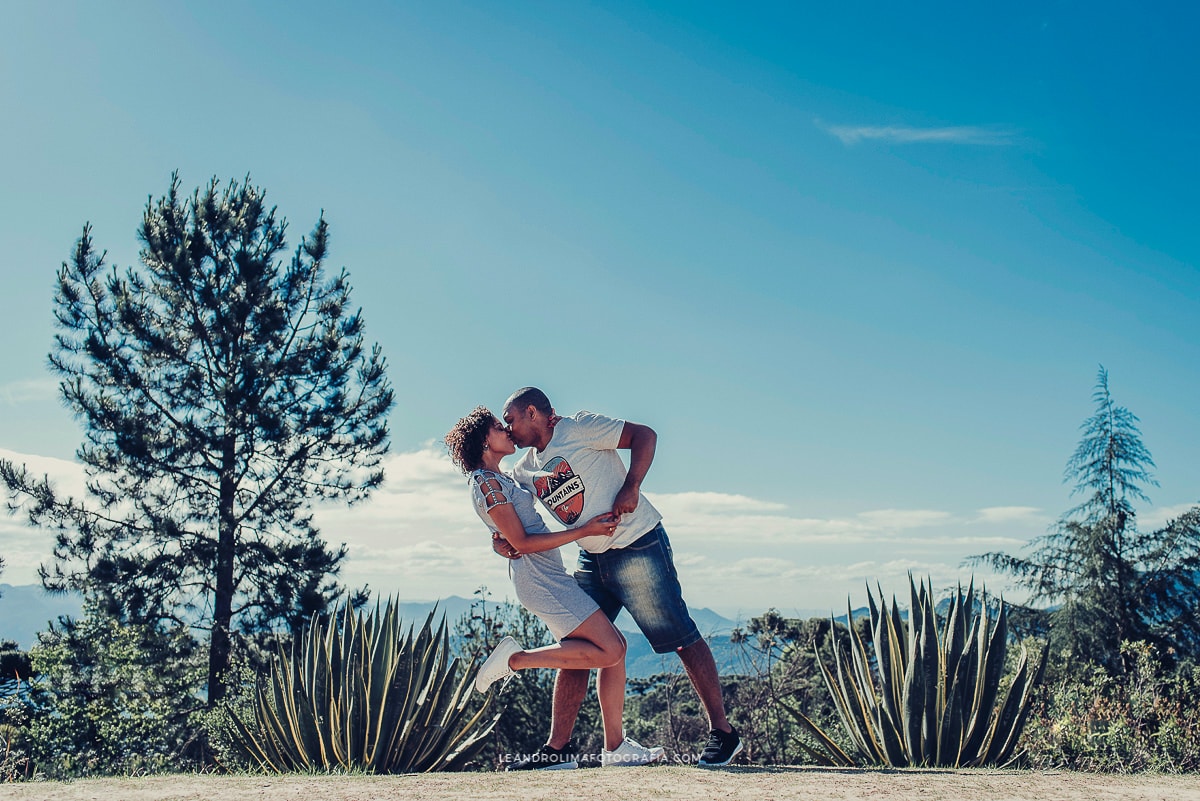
pixel 720 749
pixel 547 758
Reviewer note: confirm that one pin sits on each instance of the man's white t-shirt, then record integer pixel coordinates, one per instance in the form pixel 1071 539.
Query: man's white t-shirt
pixel 578 476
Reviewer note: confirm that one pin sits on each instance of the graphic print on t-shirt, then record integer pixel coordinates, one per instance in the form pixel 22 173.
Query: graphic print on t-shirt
pixel 560 489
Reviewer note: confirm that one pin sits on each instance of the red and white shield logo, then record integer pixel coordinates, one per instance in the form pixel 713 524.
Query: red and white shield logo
pixel 560 490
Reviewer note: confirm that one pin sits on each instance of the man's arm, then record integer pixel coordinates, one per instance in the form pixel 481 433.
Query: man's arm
pixel 641 441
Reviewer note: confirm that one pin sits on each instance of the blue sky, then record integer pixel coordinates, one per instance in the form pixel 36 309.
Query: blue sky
pixel 857 265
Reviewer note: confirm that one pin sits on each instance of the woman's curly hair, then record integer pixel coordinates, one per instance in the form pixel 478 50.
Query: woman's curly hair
pixel 466 440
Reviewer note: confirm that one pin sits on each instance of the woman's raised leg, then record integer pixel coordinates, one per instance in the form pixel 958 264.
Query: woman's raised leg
pixel 595 644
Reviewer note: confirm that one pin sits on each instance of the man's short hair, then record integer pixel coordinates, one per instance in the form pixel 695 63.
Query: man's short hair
pixel 530 396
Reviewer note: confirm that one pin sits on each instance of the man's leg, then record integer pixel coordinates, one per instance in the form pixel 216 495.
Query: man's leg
pixel 701 668
pixel 570 688
pixel 644 579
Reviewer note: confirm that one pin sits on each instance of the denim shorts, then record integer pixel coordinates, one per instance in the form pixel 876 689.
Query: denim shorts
pixel 641 578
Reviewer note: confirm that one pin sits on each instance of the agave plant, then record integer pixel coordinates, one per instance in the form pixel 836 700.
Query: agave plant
pixel 359 693
pixel 929 695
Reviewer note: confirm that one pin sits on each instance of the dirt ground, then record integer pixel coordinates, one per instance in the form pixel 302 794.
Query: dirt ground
pixel 660 782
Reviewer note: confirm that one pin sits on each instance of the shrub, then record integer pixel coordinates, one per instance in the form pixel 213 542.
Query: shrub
pixel 112 698
pixel 927 696
pixel 15 710
pixel 1146 721
pixel 357 692
pixel 776 669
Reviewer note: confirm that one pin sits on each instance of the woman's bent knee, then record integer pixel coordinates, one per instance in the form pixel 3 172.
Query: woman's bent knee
pixel 613 652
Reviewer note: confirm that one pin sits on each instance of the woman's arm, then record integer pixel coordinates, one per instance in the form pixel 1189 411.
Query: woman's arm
pixel 505 518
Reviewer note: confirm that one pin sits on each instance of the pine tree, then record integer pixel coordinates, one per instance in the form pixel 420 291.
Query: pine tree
pixel 222 389
pixel 1107 581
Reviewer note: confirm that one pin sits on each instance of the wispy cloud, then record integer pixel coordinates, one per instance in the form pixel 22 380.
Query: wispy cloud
pixel 28 390
pixel 791 582
pixel 1159 516
pixel 1011 514
pixel 69 477
pixel 905 518
pixel 905 134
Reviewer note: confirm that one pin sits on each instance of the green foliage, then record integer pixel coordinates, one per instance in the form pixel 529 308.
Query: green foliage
pixel 215 724
pixel 15 712
pixel 1107 580
pixel 527 700
pixel 15 764
pixel 356 692
pixel 663 710
pixel 222 387
pixel 113 698
pixel 927 695
pixel 777 668
pixel 1147 720
pixel 15 664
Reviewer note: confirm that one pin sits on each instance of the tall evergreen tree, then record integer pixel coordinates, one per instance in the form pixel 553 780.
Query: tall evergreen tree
pixel 222 389
pixel 1106 580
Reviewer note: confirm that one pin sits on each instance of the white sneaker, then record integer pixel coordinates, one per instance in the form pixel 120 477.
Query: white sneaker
pixel 631 754
pixel 495 667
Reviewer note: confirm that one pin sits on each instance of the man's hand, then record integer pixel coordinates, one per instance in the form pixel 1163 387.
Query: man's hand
pixel 641 442
pixel 627 499
pixel 503 547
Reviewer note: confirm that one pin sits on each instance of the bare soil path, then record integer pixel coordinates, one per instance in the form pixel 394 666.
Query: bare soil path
pixel 642 784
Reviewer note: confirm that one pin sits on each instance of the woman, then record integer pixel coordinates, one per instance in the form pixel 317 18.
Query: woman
pixel 585 636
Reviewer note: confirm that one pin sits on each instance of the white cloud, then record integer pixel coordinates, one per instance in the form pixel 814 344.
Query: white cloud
pixel 768 523
pixel 1159 516
pixel 418 535
pixel 796 587
pixel 1009 514
pixel 904 134
pixel 900 519
pixel 68 477
pixel 419 538
pixel 713 503
pixel 24 547
pixel 28 390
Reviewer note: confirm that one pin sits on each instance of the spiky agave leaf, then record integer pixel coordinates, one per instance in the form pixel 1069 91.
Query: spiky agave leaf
pixel 832 755
pixel 936 699
pixel 358 692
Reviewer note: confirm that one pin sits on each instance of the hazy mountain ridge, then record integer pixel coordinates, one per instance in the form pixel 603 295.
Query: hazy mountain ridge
pixel 28 609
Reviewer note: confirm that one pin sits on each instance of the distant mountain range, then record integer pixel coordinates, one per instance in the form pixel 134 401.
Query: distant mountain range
pixel 27 609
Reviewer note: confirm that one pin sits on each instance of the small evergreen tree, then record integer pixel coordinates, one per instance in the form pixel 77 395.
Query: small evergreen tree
pixel 1107 581
pixel 222 389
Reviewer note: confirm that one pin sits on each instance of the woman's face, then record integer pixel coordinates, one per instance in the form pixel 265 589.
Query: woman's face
pixel 498 440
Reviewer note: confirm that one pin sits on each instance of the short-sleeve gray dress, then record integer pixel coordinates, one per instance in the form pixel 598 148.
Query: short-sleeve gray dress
pixel 542 583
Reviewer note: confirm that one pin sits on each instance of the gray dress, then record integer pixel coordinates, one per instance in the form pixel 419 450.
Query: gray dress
pixel 542 583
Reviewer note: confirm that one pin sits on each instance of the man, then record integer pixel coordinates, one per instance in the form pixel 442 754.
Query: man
pixel 572 465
